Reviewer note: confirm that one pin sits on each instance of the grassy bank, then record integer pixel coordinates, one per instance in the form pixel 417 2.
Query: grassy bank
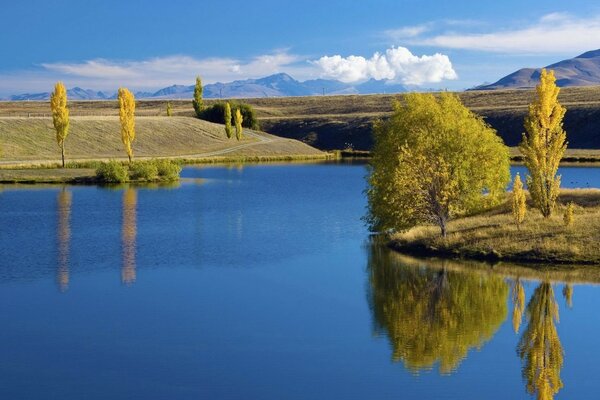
pixel 494 236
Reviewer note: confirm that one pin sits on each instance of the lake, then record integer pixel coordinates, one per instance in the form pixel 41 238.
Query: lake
pixel 261 282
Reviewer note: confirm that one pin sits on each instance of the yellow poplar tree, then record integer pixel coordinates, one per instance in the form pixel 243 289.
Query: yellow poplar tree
pixel 238 123
pixel 127 118
pixel 518 201
pixel 169 109
pixel 198 102
pixel 568 217
pixel 544 144
pixel 228 129
pixel 60 116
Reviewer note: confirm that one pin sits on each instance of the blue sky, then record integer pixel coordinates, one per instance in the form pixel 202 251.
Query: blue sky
pixel 151 44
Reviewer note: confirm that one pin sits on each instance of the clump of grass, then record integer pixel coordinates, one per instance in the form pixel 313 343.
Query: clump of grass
pixel 143 171
pixel 138 171
pixel 112 172
pixel 168 170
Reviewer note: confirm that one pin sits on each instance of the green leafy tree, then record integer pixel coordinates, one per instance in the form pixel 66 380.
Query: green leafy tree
pixel 198 102
pixel 544 144
pixel 238 123
pixel 433 316
pixel 227 117
pixel 433 160
pixel 60 116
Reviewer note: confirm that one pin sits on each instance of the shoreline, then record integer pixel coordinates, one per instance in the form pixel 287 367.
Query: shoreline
pixel 492 236
pixel 83 172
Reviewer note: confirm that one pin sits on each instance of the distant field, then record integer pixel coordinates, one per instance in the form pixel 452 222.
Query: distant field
pixel 32 141
pixel 336 122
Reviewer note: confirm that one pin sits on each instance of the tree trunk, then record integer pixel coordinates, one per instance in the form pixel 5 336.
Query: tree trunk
pixel 129 155
pixel 62 148
pixel 442 222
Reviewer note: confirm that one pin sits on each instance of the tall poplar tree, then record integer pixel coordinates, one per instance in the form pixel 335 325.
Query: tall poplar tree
pixel 238 123
pixel 198 102
pixel 519 206
pixel 127 118
pixel 60 116
pixel 227 117
pixel 544 144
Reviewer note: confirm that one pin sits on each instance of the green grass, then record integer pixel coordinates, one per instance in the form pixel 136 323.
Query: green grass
pixel 494 235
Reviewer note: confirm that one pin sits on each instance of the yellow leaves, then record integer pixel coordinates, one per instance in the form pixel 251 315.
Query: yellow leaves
pixel 227 117
pixel 60 116
pixel 127 118
pixel 238 123
pixel 433 160
pixel 519 206
pixel 568 215
pixel 544 144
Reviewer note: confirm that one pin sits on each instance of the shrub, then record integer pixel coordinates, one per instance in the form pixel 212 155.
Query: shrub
pixel 112 172
pixel 568 215
pixel 216 112
pixel 168 170
pixel 143 171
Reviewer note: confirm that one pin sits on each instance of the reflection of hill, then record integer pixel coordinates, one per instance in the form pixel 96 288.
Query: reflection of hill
pixel 433 315
pixel 63 234
pixel 128 235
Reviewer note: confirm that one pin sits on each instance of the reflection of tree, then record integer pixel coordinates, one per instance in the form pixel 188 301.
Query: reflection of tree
pixel 568 294
pixel 63 233
pixel 128 235
pixel 518 299
pixel 540 347
pixel 433 315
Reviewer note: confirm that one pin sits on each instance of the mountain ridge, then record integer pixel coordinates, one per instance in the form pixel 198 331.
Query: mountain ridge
pixel 276 85
pixel 582 70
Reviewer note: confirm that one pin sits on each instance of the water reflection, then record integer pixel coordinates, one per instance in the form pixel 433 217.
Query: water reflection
pixel 433 316
pixel 518 299
pixel 63 235
pixel 436 311
pixel 540 348
pixel 128 235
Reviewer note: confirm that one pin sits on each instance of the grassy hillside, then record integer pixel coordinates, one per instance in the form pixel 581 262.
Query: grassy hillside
pixel 334 122
pixel 32 140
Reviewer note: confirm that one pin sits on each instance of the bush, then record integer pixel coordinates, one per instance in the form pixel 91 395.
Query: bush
pixel 112 172
pixel 216 114
pixel 143 171
pixel 168 170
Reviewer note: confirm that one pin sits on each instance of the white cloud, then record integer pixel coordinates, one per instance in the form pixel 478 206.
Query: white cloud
pixel 407 31
pixel 397 64
pixel 556 33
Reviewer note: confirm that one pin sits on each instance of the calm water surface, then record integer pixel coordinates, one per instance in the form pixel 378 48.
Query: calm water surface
pixel 260 283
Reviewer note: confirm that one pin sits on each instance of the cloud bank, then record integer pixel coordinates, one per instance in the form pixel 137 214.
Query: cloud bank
pixel 397 64
pixel 556 33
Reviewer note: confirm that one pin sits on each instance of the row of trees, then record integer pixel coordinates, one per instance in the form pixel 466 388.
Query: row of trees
pixel 61 122
pixel 434 160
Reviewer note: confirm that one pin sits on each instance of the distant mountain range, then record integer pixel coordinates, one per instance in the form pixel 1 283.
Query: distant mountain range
pixel 583 70
pixel 278 85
